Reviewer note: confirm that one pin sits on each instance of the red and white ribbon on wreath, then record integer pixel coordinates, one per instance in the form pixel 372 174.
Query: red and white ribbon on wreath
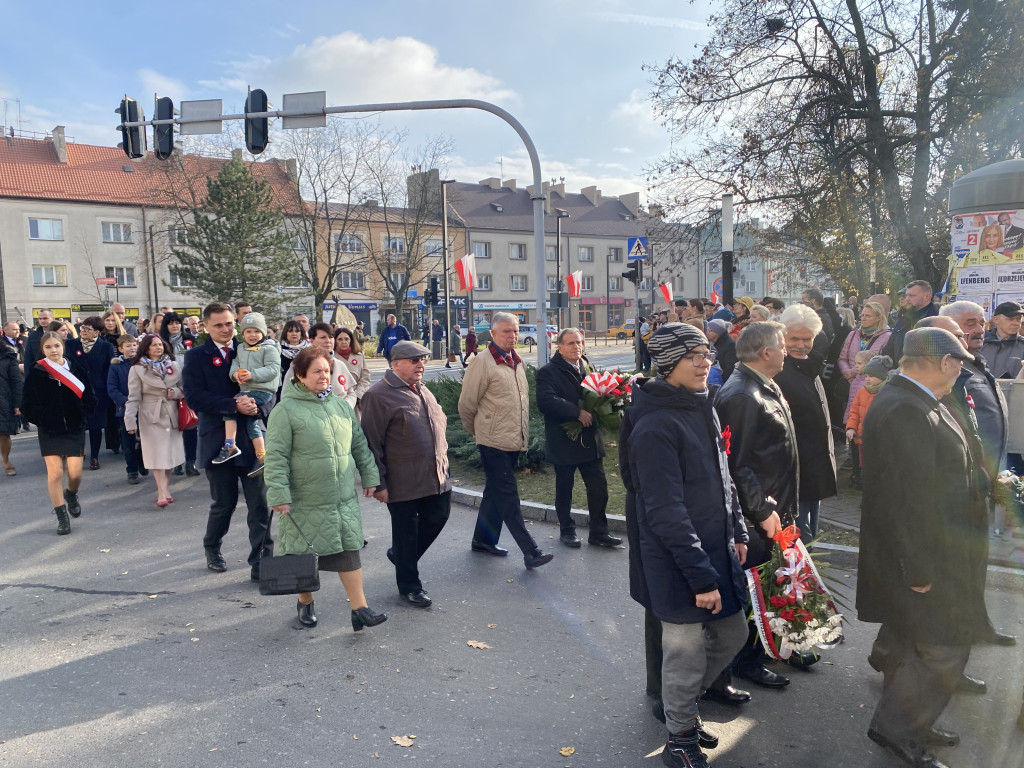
pixel 64 376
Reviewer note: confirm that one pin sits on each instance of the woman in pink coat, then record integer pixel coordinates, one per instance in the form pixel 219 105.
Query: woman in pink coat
pixel 871 335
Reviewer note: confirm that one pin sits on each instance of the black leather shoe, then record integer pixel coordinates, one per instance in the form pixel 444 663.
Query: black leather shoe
pixel 419 598
pixel 728 695
pixel 571 540
pixel 133 478
pixel 179 470
pixel 537 558
pixel 190 469
pixel 705 738
pixel 762 676
pixel 254 574
pixel 604 540
pixel 74 506
pixel 365 617
pixel 490 549
pixel 909 754
pixel 391 555
pixel 215 562
pixel 999 638
pixel 63 521
pixel 683 751
pixel 803 660
pixel 306 616
pixel 940 738
pixel 968 684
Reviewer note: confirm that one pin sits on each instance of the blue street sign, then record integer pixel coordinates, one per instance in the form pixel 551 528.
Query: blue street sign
pixel 638 248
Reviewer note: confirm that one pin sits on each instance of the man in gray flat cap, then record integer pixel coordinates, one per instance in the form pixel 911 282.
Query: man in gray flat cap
pixel 918 465
pixel 405 428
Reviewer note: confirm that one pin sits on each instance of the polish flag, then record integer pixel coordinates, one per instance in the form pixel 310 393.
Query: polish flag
pixel 575 282
pixel 666 291
pixel 466 269
pixel 713 297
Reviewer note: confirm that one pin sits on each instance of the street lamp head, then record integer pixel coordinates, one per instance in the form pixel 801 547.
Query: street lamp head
pixel 561 213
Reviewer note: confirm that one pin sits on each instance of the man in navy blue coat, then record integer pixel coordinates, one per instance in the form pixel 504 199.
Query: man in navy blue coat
pixel 212 395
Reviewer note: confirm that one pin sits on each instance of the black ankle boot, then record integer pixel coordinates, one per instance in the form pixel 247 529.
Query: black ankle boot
pixel 306 616
pixel 190 469
pixel 63 521
pixel 71 501
pixel 365 617
pixel 683 751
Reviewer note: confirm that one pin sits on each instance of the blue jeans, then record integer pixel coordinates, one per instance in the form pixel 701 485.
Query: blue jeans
pixel 252 424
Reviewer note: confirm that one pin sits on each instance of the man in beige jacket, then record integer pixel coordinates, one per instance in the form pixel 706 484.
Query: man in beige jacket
pixel 495 410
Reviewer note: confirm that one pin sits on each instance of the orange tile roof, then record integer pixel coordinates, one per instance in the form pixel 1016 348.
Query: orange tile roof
pixel 29 169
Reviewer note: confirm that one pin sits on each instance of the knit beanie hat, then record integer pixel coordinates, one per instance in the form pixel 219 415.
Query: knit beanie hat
pixel 878 366
pixel 254 320
pixel 719 326
pixel 673 340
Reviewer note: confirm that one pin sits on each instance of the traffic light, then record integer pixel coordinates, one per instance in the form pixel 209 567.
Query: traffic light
pixel 133 140
pixel 430 295
pixel 256 128
pixel 635 273
pixel 163 135
pixel 435 289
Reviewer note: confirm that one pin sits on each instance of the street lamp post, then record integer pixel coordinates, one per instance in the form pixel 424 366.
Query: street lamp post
pixel 560 213
pixel 444 264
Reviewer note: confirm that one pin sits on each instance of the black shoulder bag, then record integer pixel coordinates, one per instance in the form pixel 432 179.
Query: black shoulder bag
pixel 290 574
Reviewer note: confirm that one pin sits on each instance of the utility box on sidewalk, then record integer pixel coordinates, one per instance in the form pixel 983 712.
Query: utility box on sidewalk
pixel 437 348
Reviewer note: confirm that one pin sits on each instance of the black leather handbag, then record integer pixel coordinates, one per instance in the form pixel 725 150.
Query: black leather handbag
pixel 290 574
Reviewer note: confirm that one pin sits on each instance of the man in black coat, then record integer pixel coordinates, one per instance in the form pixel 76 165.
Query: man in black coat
pixel 918 463
pixel 32 351
pixel 559 394
pixel 212 395
pixel 762 460
pixel 918 301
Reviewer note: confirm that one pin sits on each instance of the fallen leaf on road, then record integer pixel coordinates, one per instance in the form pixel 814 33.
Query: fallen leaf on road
pixel 509 580
pixel 354 736
pixel 402 741
pixel 152 597
pixel 492 626
pixel 476 644
pixel 566 751
pixel 104 550
pixel 195 639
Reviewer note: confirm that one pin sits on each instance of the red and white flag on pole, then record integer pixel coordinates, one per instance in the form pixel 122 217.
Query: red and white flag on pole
pixel 574 281
pixel 466 269
pixel 666 291
pixel 713 297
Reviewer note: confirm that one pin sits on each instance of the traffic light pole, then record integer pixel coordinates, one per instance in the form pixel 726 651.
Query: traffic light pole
pixel 536 195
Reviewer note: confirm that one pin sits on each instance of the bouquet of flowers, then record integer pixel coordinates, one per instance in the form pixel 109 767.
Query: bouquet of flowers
pixel 605 396
pixel 1008 489
pixel 793 609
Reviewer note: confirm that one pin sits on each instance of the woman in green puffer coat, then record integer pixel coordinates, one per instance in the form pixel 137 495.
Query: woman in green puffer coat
pixel 313 445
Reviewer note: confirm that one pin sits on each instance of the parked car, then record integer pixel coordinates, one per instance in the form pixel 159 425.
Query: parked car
pixel 624 331
pixel 528 334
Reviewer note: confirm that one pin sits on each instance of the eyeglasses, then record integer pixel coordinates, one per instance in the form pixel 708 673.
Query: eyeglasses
pixel 697 357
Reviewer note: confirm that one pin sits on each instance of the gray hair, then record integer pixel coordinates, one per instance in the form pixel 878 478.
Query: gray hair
pixel 503 317
pixel 756 337
pixel 958 309
pixel 762 312
pixel 800 316
pixel 564 331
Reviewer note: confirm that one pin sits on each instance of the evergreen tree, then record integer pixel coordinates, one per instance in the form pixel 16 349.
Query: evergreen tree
pixel 237 244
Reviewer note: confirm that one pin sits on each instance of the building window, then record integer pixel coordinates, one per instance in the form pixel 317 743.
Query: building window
pixel 49 274
pixel 116 232
pixel 551 253
pixel 354 281
pixel 433 248
pixel 396 245
pixel 614 283
pixel 677 284
pixel 177 280
pixel 646 284
pixel 300 243
pixel 585 253
pixel 483 283
pixel 587 283
pixel 586 319
pixel 297 281
pixel 552 283
pixel 347 243
pixel 517 282
pixel 177 236
pixel 125 275
pixel 482 251
pixel 45 229
pixel 615 254
pixel 517 251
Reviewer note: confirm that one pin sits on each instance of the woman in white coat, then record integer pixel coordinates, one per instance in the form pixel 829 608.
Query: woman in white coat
pixel 154 388
pixel 350 352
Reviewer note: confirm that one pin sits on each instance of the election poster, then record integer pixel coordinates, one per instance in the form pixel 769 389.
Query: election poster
pixel 987 255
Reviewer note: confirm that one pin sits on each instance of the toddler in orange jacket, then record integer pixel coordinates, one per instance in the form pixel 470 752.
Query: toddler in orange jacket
pixel 876 373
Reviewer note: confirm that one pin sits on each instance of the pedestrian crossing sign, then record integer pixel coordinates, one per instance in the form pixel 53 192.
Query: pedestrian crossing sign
pixel 637 248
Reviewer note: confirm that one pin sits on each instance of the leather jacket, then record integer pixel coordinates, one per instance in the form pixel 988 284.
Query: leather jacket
pixel 762 452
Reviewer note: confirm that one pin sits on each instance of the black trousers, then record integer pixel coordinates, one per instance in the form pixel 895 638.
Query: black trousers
pixel 132 451
pixel 500 503
pixel 224 480
pixel 653 654
pixel 414 526
pixel 190 439
pixel 596 484
pixel 113 433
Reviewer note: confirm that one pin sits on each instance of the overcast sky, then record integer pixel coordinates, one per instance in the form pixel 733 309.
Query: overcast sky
pixel 569 70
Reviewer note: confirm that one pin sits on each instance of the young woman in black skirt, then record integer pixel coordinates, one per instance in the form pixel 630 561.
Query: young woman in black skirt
pixel 58 399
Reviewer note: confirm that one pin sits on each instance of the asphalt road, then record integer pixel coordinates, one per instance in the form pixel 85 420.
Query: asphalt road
pixel 118 648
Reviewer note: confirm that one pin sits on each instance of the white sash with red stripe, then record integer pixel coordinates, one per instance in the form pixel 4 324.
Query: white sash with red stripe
pixel 64 376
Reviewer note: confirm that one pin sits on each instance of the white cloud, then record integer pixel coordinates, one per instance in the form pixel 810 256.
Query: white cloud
pixel 162 85
pixel 623 150
pixel 653 21
pixel 355 70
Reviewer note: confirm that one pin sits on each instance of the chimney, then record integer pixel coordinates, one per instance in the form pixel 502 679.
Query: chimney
pixel 593 194
pixel 510 184
pixel 59 145
pixel 631 201
pixel 558 189
pixel 492 182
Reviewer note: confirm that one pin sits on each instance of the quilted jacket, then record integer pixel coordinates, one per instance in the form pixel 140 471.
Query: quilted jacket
pixel 313 448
